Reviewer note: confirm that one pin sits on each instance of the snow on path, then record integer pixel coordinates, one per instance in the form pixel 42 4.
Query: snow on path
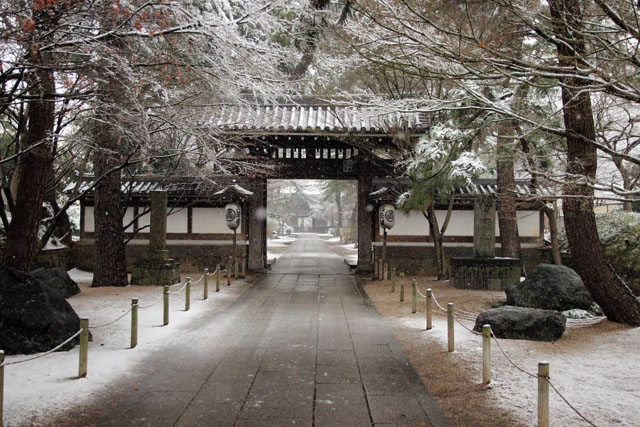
pixel 38 390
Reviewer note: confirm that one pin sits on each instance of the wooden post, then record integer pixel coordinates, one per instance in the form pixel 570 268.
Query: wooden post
pixel 84 348
pixel 401 287
pixel 1 387
pixel 386 271
pixel 375 268
pixel 229 270
pixel 543 394
pixel 486 354
pixel 187 295
pixel 165 308
pixel 393 280
pixel 236 269
pixel 243 268
pixel 451 343
pixel 205 288
pixel 429 303
pixel 381 269
pixel 234 261
pixel 383 258
pixel 218 273
pixel 134 322
pixel 414 296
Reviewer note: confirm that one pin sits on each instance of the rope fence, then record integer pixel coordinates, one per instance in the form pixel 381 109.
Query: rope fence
pixel 83 333
pixel 544 381
pixel 46 353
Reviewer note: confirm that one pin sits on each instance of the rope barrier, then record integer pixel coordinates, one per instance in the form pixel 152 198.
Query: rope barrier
pixel 570 405
pixel 179 290
pixel 577 323
pixel 437 303
pixel 199 280
pixel 140 307
pixel 464 326
pixel 113 321
pixel 58 347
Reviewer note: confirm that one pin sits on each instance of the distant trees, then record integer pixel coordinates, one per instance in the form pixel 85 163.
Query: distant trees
pixel 336 191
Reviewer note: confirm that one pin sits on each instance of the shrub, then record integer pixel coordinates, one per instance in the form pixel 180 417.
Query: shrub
pixel 620 234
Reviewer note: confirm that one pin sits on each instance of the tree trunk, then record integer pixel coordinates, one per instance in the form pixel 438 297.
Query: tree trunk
pixel 62 227
pixel 353 225
pixel 507 219
pixel 111 264
pixel 553 229
pixel 22 236
pixel 608 290
pixel 627 184
pixel 436 235
pixel 338 197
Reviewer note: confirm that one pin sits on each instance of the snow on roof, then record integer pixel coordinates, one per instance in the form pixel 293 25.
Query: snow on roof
pixel 234 188
pixel 183 186
pixel 478 188
pixel 316 118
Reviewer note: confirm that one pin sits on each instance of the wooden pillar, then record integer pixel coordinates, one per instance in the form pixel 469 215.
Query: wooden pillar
pixel 365 224
pixel 257 227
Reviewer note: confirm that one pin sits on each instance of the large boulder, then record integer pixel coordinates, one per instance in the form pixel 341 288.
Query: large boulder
pixel 550 287
pixel 522 323
pixel 57 279
pixel 33 317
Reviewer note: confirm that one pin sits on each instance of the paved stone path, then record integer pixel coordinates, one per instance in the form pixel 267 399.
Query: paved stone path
pixel 301 347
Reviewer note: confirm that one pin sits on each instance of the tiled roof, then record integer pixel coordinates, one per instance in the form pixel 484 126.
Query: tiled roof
pixel 315 118
pixel 523 188
pixel 181 186
pixel 478 188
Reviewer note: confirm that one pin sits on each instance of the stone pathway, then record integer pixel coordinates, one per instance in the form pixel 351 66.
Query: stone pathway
pixel 301 347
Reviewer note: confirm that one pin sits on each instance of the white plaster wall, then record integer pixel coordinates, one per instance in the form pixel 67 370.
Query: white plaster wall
pixel 411 223
pixel 144 221
pixel 89 221
pixel 210 220
pixel 128 217
pixel 177 221
pixel 414 223
pixel 528 223
pixel 460 224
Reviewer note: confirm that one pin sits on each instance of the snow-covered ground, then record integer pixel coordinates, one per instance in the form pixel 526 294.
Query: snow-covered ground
pixel 595 364
pixel 38 390
pixel 349 251
pixel 276 247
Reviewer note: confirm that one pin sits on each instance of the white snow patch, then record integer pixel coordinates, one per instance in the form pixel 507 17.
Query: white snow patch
pixel 596 369
pixel 38 390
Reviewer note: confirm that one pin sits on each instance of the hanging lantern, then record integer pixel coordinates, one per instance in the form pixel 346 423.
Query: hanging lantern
pixel 232 215
pixel 387 216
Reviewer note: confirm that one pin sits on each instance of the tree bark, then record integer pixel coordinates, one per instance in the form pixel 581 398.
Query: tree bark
pixel 22 236
pixel 62 227
pixel 553 229
pixel 110 257
pixel 608 290
pixel 507 218
pixel 437 236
